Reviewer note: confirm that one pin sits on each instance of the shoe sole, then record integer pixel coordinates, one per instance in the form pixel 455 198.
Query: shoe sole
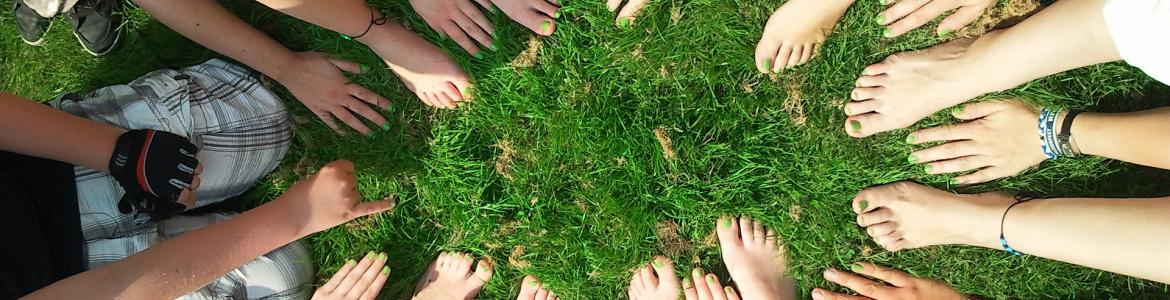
pixel 38 43
pixel 114 45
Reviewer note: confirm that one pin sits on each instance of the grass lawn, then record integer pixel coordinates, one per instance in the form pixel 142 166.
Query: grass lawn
pixel 557 169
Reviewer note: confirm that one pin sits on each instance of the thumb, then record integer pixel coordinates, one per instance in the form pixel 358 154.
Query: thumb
pixel 347 66
pixel 967 112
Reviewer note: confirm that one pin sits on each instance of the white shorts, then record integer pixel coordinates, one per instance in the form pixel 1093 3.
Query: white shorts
pixel 1141 33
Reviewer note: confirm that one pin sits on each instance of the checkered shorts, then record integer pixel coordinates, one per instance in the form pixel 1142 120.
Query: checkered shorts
pixel 242 132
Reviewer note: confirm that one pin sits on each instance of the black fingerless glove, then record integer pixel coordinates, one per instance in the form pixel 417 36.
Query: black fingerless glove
pixel 153 167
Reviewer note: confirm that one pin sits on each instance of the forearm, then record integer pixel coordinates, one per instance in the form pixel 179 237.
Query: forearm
pixel 38 130
pixel 210 24
pixel 1138 137
pixel 1126 236
pixel 180 265
pixel 349 17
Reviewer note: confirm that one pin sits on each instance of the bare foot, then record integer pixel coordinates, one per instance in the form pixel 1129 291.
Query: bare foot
pixel 909 86
pixel 424 68
pixel 628 13
pixel 532 289
pixel 537 15
pixel 796 31
pixel 450 277
pixel 907 215
pixel 755 259
pixel 655 281
pixel 706 287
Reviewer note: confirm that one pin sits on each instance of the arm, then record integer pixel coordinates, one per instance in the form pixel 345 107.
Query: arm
pixel 1138 137
pixel 76 140
pixel 180 265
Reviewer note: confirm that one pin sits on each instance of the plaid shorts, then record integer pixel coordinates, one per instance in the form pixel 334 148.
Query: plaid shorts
pixel 242 132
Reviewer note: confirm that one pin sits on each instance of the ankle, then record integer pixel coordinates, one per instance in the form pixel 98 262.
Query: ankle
pixel 985 232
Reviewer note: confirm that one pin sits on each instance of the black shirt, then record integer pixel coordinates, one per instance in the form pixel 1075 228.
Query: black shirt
pixel 40 231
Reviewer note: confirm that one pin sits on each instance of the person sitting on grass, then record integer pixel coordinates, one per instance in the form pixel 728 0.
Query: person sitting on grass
pixel 909 86
pixel 97 24
pixel 146 152
pixel 313 78
pixel 796 30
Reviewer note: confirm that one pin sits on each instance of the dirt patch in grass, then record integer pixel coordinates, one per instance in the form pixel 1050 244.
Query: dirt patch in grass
pixel 794 104
pixel 504 160
pixel 794 213
pixel 528 57
pixel 664 141
pixel 516 258
pixel 669 242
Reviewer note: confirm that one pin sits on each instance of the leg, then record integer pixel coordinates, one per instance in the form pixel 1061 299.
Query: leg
pixel 424 68
pixel 240 127
pixel 909 86
pixel 905 215
pixel 755 258
pixel 450 277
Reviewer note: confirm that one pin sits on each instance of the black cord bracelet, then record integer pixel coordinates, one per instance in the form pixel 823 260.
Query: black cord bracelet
pixel 374 20
pixel 1003 240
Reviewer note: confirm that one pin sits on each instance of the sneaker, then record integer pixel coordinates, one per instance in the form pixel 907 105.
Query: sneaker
pixel 32 25
pixel 97 24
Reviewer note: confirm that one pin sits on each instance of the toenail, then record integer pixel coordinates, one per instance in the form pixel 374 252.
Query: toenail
pixel 856 268
pixel 557 14
pixel 767 65
pixel 494 47
pixel 657 264
pixel 928 168
pixel 623 23
pixel 910 139
pixel 888 32
pixel 863 204
pixel 687 283
pixel 881 20
pixel 957 110
pixel 385 270
pixel 479 55
pixel 365 68
pixel 944 32
pixel 386 126
pixel 726 222
pixel 912 159
pixel 856 126
pixel 544 26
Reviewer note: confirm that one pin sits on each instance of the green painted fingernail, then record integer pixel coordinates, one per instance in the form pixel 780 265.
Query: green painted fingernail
pixel 928 168
pixel 386 126
pixel 957 109
pixel 856 126
pixel 623 23
pixel 382 256
pixel 883 2
pixel 350 262
pixel 912 159
pixel 494 47
pixel 944 32
pixel 657 264
pixel 711 278
pixel 880 20
pixel 856 268
pixel 910 138
pixel 544 26
pixel 557 15
pixel 479 55
pixel 888 32
pixel 726 222
pixel 687 283
pixel 385 270
pixel 863 204
pixel 370 254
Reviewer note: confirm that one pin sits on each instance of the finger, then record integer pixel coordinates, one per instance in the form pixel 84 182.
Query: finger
pixel 187 198
pixel 347 66
pixel 894 277
pixel 351 279
pixel 364 94
pixel 956 165
pixel 965 15
pixel 822 294
pixel 480 20
pixel 341 165
pixel 199 169
pixel 948 151
pixel 472 29
pixel 330 285
pixel 433 26
pixel 631 10
pixel 919 17
pixel 701 286
pixel 363 109
pixel 873 217
pixel 980 109
pixel 731 294
pixel 689 292
pixel 899 10
pixel 343 114
pixel 715 287
pixel 456 34
pixel 375 288
pixel 942 133
pixel 195 181
pixel 984 175
pixel 862 286
pixel 363 283
pixel 327 118
pixel 368 208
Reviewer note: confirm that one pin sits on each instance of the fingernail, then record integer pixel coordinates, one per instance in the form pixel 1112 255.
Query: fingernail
pixel 883 2
pixel 863 204
pixel 856 268
pixel 544 26
pixel 888 32
pixel 386 270
pixel 370 254
pixel 365 68
pixel 727 289
pixel 944 32
pixel 957 110
pixel 955 181
pixel 494 47
pixel 386 126
pixel 382 256
pixel 928 168
pixel 830 273
pixel 818 295
pixel 711 279
pixel 391 108
pixel 557 14
pixel 623 23
pixel 910 138
pixel 479 55
pixel 697 272
pixel 881 20
pixel 912 159
pixel 687 283
pixel 856 126
pixel 657 264
pixel 350 262
pixel 767 64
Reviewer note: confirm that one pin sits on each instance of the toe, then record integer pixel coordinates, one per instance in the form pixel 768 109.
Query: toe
pixel 805 54
pixel 636 283
pixel 648 279
pixel 745 230
pixel 541 293
pixel 871 80
pixel 894 246
pixel 766 52
pixel 865 125
pixel 461 262
pixel 528 288
pixel 881 229
pixel 483 270
pixel 664 270
pixel 876 69
pixel 700 283
pixel 876 216
pixel 728 231
pixel 758 231
pixel 861 107
pixel 715 287
pixel 794 57
pixel 782 57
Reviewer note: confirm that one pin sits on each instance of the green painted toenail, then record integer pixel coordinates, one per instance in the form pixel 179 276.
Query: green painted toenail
pixel 767 64
pixel 856 268
pixel 557 15
pixel 545 25
pixel 928 168
pixel 944 32
pixel 881 20
pixel 657 264
pixel 883 2
pixel 386 126
pixel 687 283
pixel 390 108
pixel 385 270
pixel 623 23
pixel 856 126
pixel 910 139
pixel 888 32
pixel 479 55
pixel 913 160
pixel 863 204
pixel 957 110
pixel 726 222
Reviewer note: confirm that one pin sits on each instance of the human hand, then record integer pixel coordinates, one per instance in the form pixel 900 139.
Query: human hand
pixel 906 15
pixel 705 287
pixel 626 16
pixel 318 82
pixel 356 280
pixel 328 198
pixel 459 19
pixel 999 138
pixel 893 284
pixel 157 171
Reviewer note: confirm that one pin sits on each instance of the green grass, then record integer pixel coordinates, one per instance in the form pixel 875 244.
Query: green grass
pixel 589 186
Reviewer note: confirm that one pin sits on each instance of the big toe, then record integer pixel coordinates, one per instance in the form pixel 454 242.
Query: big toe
pixel 766 52
pixel 528 288
pixel 728 231
pixel 866 125
pixel 483 271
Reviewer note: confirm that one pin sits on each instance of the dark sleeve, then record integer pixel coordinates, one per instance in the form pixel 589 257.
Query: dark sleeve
pixel 40 230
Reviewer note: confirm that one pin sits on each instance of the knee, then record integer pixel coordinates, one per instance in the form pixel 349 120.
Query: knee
pixel 286 272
